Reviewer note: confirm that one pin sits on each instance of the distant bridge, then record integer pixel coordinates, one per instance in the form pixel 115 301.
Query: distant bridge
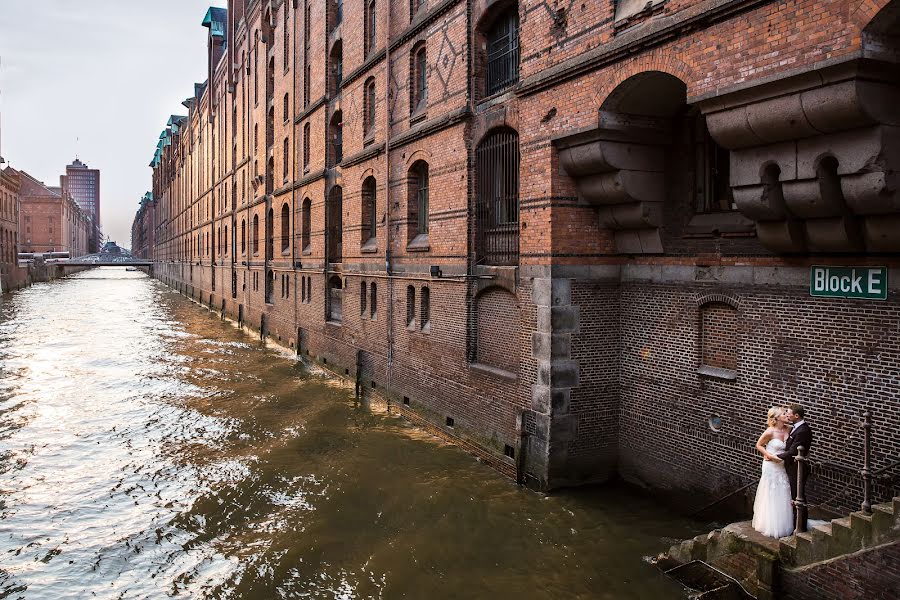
pixel 99 259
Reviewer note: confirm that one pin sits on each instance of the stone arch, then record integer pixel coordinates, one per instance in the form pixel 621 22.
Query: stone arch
pixel 497 326
pixel 630 167
pixel 651 62
pixel 417 155
pixel 720 298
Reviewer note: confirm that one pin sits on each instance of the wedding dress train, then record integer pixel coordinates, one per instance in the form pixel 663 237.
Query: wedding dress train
pixel 772 510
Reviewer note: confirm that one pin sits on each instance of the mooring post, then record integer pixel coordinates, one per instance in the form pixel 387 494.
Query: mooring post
pixel 866 471
pixel 800 500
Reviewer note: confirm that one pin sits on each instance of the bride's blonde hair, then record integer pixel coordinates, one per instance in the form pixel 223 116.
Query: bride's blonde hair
pixel 773 414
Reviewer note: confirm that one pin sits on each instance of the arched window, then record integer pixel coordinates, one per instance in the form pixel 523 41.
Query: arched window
pixel 243 236
pixel 502 64
pixel 337 138
pixel 373 301
pixel 306 147
pixel 255 234
pixel 370 26
pixel 425 308
pixel 256 136
pixel 270 234
pixel 363 297
pixel 418 74
pixel 335 225
pixel 497 198
pixel 417 200
pixel 335 298
pixel 285 110
pixel 369 218
pixel 369 108
pixel 285 227
pixel 337 69
pixel 225 242
pixel 305 216
pixel 285 159
pixel 410 307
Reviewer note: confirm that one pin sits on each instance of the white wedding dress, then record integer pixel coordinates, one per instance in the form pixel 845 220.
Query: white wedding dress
pixel 772 510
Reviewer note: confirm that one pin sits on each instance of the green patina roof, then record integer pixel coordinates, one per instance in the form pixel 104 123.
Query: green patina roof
pixel 215 19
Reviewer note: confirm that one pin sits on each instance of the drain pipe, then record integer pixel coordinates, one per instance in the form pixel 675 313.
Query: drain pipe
pixel 387 197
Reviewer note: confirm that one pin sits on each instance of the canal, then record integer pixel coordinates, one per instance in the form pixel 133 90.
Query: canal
pixel 150 450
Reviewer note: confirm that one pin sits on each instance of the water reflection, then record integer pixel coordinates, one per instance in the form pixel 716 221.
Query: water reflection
pixel 150 450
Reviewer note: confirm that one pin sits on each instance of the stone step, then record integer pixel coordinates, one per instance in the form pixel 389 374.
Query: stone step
pixel 896 505
pixel 806 551
pixel 842 535
pixel 787 549
pixel 861 524
pixel 823 538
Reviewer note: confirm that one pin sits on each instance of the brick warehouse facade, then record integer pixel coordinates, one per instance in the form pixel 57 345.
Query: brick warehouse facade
pixel 574 236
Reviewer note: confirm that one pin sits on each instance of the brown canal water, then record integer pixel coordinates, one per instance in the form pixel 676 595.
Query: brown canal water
pixel 150 450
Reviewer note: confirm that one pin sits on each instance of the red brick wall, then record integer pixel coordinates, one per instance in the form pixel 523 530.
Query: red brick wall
pixel 871 574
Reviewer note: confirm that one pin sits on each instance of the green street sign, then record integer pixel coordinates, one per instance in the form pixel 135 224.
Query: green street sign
pixel 867 283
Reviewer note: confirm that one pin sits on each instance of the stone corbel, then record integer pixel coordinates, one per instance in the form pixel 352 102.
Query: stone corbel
pixel 622 173
pixel 816 168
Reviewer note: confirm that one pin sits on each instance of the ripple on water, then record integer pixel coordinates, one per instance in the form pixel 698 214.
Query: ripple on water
pixel 150 450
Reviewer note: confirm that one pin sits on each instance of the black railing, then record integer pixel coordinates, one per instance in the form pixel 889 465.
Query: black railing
pixel 497 203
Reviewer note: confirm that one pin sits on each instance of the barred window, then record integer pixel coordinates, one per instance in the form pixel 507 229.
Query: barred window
pixel 497 198
pixel 285 158
pixel 503 52
pixel 369 218
pixel 285 109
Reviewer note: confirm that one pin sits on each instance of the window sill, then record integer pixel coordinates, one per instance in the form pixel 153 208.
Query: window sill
pixel 716 373
pixel 493 371
pixel 306 251
pixel 370 247
pixel 286 252
pixel 419 243
pixel 369 139
pixel 334 323
pixel 411 326
pixel 418 116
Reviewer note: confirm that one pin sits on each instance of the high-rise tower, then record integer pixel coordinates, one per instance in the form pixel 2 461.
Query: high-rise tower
pixel 83 184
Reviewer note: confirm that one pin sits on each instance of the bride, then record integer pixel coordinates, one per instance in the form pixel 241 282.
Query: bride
pixel 772 509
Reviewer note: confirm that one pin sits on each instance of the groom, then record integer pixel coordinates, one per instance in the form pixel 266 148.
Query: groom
pixel 801 435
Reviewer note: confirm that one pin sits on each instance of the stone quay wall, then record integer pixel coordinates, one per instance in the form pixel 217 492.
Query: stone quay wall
pixel 624 201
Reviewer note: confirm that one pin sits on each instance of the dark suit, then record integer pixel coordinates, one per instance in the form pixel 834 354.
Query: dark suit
pixel 801 435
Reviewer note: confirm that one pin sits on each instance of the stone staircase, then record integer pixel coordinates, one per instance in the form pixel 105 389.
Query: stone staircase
pixel 842 536
pixel 753 560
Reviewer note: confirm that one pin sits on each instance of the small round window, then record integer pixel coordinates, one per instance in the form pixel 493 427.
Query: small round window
pixel 715 423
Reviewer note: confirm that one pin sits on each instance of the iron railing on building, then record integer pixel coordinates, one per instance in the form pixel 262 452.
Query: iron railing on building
pixel 497 199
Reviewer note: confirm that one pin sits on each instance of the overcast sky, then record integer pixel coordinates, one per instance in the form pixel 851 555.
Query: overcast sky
pixel 107 72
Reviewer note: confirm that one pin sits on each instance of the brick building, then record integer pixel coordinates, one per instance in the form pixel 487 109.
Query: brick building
pixel 51 221
pixel 12 276
pixel 143 228
pixel 575 236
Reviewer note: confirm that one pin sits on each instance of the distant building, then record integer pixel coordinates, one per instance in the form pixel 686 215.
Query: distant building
pixel 51 220
pixel 142 228
pixel 83 184
pixel 11 275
